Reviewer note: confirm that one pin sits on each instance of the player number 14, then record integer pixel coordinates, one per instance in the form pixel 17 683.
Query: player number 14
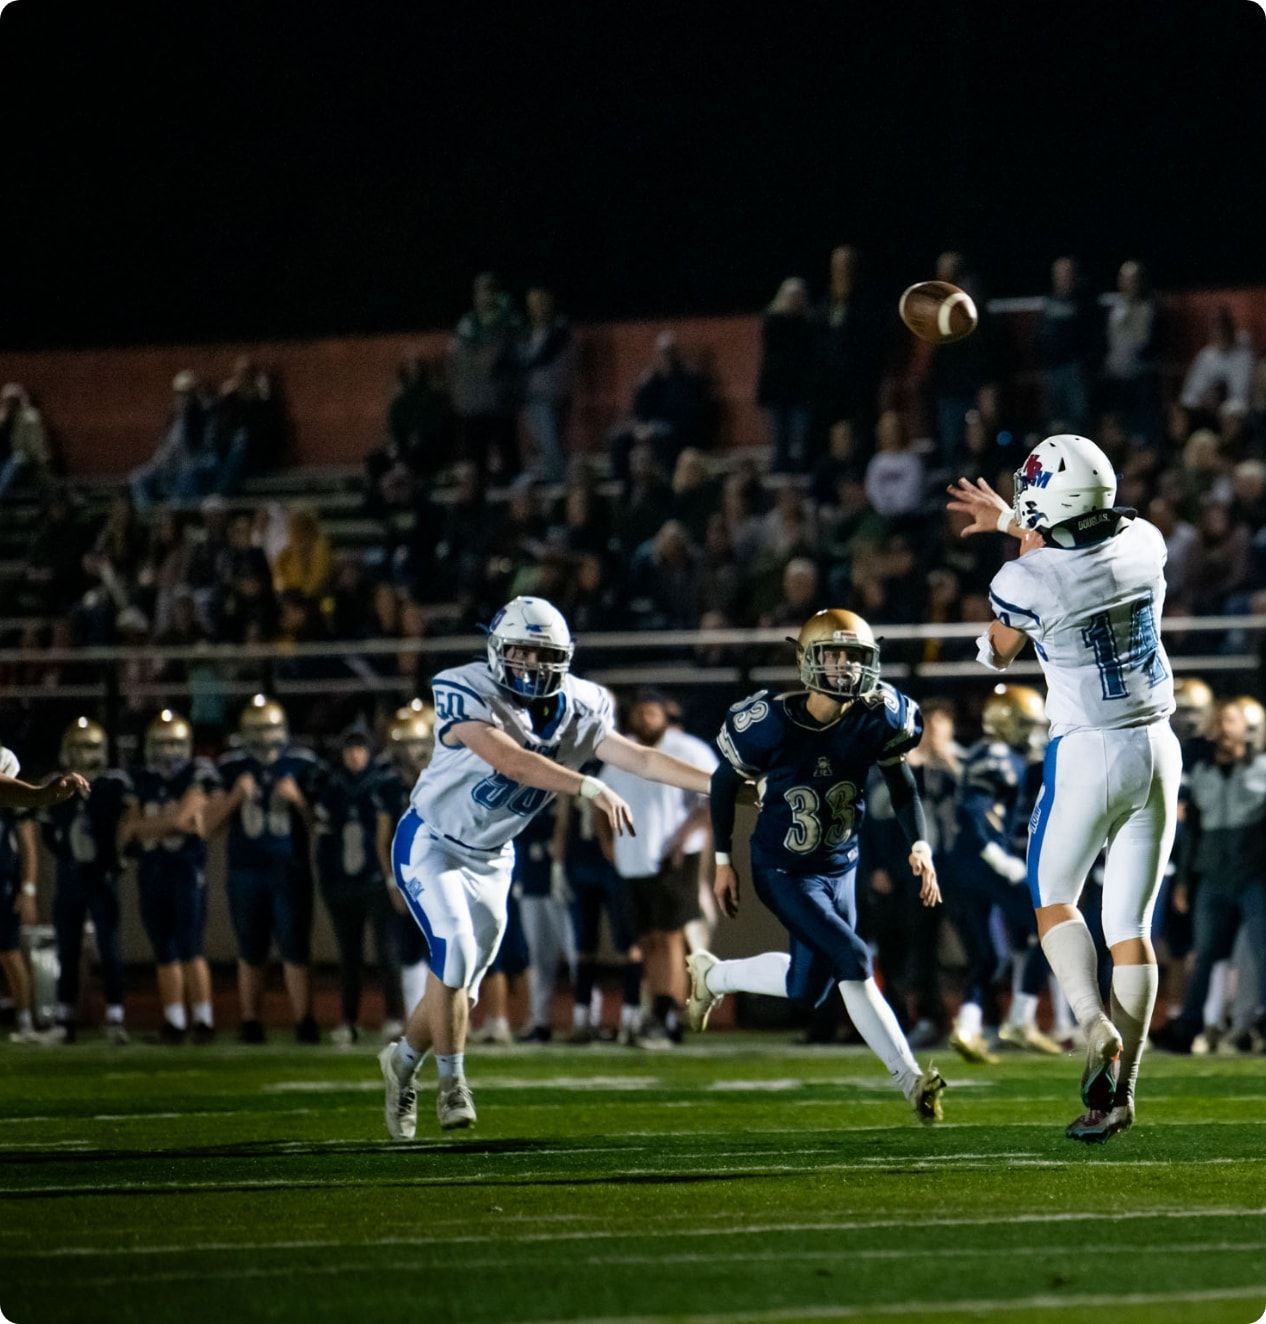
pixel 1142 652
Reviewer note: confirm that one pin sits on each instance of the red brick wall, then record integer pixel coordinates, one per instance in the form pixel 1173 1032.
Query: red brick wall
pixel 107 406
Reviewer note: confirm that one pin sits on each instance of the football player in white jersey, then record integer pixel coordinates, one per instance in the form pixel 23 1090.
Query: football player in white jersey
pixel 510 732
pixel 1088 588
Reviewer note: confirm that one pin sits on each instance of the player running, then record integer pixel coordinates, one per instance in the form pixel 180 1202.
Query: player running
pixel 811 752
pixel 511 731
pixel 1088 588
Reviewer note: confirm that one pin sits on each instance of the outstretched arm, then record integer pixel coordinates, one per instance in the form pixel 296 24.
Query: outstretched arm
pixel 655 766
pixel 986 508
pixel 726 783
pixel 22 795
pixel 908 810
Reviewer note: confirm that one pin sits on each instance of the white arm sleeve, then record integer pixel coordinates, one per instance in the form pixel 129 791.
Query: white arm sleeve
pixel 986 656
pixel 1011 867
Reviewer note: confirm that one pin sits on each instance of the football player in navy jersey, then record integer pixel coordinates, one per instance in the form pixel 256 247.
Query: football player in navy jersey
pixel 985 871
pixel 83 836
pixel 344 800
pixel 166 828
pixel 810 752
pixel 263 802
pixel 410 744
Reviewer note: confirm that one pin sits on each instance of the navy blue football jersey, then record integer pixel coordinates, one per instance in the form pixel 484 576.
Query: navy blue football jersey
pixel 265 831
pixel 991 807
pixel 345 807
pixel 531 854
pixel 813 777
pixel 154 790
pixel 82 832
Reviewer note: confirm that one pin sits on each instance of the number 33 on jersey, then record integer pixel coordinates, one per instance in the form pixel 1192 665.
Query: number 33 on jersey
pixel 814 776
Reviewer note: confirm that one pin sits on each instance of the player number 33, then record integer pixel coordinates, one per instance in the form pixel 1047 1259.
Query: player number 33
pixel 805 833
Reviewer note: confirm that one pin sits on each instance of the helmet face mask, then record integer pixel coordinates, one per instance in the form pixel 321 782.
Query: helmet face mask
pixel 411 737
pixel 263 729
pixel 837 655
pixel 84 747
pixel 529 648
pixel 1016 715
pixel 168 743
pixel 1193 707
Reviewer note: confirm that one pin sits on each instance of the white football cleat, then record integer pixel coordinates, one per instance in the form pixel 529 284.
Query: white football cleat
pixel 700 1003
pixel 926 1096
pixel 344 1036
pixel 27 1036
pixel 972 1047
pixel 454 1105
pixel 117 1036
pixel 1029 1038
pixel 401 1105
pixel 1103 1060
pixel 391 1030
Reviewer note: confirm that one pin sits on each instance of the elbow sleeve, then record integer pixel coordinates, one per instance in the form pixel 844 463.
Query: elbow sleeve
pixel 907 808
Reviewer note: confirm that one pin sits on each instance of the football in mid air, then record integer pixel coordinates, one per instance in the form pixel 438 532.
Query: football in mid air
pixel 938 312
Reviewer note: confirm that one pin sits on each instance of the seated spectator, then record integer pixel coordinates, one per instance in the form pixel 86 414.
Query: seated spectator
pixel 1131 367
pixel 24 449
pixel 1248 493
pixel 785 386
pixel 1203 472
pixel 721 583
pixel 208 561
pixel 672 409
pixel 840 464
pixel 799 598
pixel 1223 566
pixel 696 494
pixel 483 361
pixel 549 370
pixel 894 476
pixel 1182 550
pixel 517 541
pixel 249 426
pixel 586 524
pixel 305 563
pixel 943 607
pixel 851 525
pixel 742 515
pixel 183 467
pixel 1222 372
pixel 663 588
pixel 450 540
pixel 54 576
pixel 647 501
pixel 1066 341
pixel 245 609
pixel 299 621
pixel 591 600
pixel 351 599
pixel 164 570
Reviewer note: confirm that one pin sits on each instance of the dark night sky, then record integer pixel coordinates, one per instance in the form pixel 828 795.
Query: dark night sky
pixel 213 171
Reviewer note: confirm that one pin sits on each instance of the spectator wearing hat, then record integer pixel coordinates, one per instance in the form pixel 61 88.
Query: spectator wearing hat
pixel 661 864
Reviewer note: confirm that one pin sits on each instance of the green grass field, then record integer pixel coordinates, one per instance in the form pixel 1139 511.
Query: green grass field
pixel 741 1179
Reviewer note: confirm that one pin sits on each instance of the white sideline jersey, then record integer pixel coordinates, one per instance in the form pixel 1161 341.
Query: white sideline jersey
pixel 1093 614
pixel 463 799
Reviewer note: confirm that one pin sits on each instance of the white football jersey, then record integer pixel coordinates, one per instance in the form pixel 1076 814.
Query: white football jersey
pixel 1093 614
pixel 463 799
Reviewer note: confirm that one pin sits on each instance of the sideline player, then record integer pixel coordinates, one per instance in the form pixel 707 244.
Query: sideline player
pixel 1088 588
pixel 512 729
pixel 811 751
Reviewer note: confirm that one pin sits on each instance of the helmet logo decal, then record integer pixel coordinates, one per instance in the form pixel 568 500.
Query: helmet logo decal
pixel 1033 472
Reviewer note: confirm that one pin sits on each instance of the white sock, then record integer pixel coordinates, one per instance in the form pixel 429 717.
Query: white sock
pixel 580 1017
pixel 1071 951
pixel 174 1014
pixel 413 985
pixel 1215 1001
pixel 497 1024
pixel 970 1020
pixel 26 1022
pixel 1023 1009
pixel 202 1014
pixel 405 1059
pixel 766 973
pixel 697 936
pixel 114 1014
pixel 876 1023
pixel 630 1016
pixel 452 1066
pixel 1063 1012
pixel 595 1005
pixel 1133 1001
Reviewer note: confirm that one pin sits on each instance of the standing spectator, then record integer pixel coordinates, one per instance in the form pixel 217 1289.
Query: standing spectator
pixel 1223 566
pixel 799 596
pixel 1065 345
pixel 248 426
pixel 1222 372
pixel 961 373
pixel 849 347
pixel 483 360
pixel 23 440
pixel 671 410
pixel 418 419
pixel 182 467
pixel 1131 368
pixel 661 864
pixel 894 476
pixel 785 386
pixel 305 563
pixel 549 371
pixel 839 465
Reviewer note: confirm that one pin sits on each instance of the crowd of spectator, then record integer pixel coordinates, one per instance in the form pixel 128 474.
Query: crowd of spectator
pixel 665 534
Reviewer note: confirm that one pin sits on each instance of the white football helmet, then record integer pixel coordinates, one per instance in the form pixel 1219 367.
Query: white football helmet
pixel 1063 477
pixel 530 623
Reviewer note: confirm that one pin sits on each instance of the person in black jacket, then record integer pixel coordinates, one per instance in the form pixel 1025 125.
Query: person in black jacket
pixel 785 387
pixel 1066 338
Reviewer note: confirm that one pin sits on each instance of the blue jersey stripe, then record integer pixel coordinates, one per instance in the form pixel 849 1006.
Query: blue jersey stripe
pixel 1038 832
pixel 1010 606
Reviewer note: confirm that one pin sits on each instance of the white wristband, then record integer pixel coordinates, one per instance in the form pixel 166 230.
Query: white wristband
pixel 1004 521
pixel 922 848
pixel 722 857
pixel 591 787
pixel 29 889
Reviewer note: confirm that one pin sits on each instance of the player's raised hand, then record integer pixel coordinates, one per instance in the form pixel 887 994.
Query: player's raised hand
pixel 925 871
pixel 725 888
pixel 617 811
pixel 978 500
pixel 63 787
pixel 288 790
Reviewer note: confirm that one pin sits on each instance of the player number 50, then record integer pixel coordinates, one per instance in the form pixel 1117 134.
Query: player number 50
pixel 805 833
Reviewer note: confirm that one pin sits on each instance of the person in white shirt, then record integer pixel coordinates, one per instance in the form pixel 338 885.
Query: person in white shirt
pixel 1088 588
pixel 661 865
pixel 1222 372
